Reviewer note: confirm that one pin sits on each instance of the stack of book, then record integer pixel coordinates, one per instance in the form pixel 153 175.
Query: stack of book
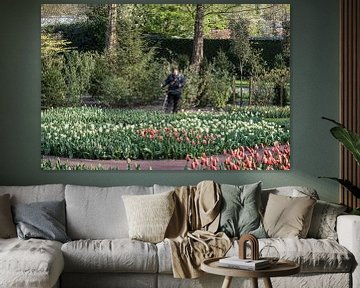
pixel 248 264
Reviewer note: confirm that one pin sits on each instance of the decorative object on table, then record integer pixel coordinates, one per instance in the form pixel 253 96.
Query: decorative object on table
pixel 281 269
pixel 254 246
pixel 269 253
pixel 351 142
pixel 247 264
pixel 241 261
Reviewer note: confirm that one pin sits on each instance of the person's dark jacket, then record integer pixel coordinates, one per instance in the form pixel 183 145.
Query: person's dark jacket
pixel 175 83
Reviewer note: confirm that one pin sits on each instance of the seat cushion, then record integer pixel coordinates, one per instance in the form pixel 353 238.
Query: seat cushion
pixel 98 213
pixel 30 263
pixel 313 255
pixel 117 255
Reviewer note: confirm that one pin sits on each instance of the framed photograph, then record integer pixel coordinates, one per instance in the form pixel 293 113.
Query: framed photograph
pixel 165 87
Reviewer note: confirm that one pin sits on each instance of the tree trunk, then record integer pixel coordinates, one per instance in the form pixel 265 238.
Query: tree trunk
pixel 250 90
pixel 198 45
pixel 241 80
pixel 234 89
pixel 111 35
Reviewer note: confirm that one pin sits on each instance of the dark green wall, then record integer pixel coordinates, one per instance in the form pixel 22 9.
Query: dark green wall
pixel 314 94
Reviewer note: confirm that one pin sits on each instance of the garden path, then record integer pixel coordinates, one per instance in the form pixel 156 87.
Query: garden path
pixel 122 164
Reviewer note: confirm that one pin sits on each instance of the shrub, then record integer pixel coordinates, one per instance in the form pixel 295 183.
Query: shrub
pixel 65 78
pixel 218 89
pixel 78 70
pixel 116 91
pixel 53 85
pixel 190 93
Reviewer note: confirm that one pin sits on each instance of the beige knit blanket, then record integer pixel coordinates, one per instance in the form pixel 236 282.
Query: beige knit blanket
pixel 191 231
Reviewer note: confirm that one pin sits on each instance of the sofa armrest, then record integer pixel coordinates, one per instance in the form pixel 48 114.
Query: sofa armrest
pixel 348 230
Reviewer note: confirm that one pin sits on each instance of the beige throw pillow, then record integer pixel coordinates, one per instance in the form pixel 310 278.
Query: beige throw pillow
pixel 7 226
pixel 288 217
pixel 149 215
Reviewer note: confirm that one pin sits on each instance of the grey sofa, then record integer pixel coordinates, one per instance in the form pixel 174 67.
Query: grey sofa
pixel 101 254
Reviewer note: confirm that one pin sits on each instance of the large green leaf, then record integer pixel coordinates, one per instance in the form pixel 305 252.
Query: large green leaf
pixel 348 185
pixel 349 139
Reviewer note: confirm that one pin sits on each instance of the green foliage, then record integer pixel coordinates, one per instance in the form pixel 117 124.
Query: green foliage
pixel 53 84
pixel 351 141
pixel 89 35
pixel 348 138
pixel 217 78
pixel 131 75
pixel 52 44
pixel 58 165
pixel 190 95
pixel 167 19
pixel 78 70
pixel 94 133
pixel 65 78
pixel 240 44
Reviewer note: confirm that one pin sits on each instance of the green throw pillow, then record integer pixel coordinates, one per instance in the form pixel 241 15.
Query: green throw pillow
pixel 240 213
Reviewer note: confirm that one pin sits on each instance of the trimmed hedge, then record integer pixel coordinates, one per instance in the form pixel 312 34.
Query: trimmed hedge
pixel 86 36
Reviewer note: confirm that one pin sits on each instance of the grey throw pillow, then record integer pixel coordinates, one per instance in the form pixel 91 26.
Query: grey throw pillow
pixel 7 227
pixel 323 222
pixel 240 213
pixel 44 220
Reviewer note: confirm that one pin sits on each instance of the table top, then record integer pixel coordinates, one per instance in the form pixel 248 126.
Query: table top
pixel 281 268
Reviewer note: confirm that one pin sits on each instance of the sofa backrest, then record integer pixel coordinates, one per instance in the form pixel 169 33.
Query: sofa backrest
pixel 35 193
pixel 98 212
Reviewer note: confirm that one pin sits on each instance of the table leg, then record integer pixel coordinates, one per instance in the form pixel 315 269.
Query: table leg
pixel 227 282
pixel 254 282
pixel 267 283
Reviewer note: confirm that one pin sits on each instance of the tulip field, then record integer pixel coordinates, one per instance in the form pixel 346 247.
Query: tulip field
pixel 245 138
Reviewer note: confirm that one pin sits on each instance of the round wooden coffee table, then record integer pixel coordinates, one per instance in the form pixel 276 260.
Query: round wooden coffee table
pixel 281 268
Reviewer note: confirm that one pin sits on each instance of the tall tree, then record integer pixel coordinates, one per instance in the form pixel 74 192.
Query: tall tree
pixel 241 44
pixel 198 44
pixel 111 35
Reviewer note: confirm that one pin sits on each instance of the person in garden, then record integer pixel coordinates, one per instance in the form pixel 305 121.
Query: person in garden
pixel 175 83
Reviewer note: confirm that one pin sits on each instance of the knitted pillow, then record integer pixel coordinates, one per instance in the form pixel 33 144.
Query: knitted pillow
pixel 149 215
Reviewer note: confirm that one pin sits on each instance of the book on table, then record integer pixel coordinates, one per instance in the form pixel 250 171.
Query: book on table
pixel 236 262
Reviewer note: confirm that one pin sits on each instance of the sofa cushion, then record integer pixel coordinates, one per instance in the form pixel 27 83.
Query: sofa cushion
pixel 36 193
pixel 7 226
pixel 30 263
pixel 43 220
pixel 149 215
pixel 240 212
pixel 323 222
pixel 98 213
pixel 117 255
pixel 291 191
pixel 287 216
pixel 109 280
pixel 313 255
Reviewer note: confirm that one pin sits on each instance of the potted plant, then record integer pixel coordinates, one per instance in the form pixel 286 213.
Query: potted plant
pixel 351 141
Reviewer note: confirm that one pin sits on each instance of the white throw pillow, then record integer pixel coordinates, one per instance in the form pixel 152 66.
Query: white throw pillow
pixel 149 215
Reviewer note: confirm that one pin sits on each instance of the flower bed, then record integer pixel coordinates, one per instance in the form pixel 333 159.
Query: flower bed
pixel 94 133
